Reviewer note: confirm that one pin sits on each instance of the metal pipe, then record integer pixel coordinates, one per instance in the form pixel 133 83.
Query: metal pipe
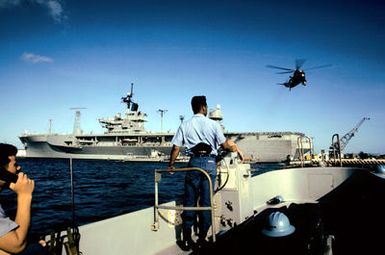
pixel 300 147
pixel 72 192
pixel 211 208
pixel 338 150
pixel 300 141
pixel 156 216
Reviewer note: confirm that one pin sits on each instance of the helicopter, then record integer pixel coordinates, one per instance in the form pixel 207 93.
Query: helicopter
pixel 298 75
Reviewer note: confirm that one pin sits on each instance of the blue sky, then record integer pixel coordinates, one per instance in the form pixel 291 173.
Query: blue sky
pixel 58 54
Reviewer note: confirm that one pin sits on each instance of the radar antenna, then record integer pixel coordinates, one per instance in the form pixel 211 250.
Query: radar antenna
pixel 346 138
pixel 162 112
pixel 77 130
pixel 181 118
pixel 127 99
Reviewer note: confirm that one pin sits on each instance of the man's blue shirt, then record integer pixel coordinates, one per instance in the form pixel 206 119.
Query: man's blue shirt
pixel 6 225
pixel 199 129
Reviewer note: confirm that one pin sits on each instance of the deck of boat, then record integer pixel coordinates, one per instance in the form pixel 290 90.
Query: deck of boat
pixel 351 216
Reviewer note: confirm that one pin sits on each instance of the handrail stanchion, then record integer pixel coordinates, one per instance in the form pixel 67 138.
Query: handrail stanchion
pixel 158 173
pixel 300 141
pixel 156 216
pixel 338 149
pixel 300 147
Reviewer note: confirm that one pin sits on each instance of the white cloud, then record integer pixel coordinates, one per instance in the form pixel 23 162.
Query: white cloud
pixel 54 7
pixel 35 58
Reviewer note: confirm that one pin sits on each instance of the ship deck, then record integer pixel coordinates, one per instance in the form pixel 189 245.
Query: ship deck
pixel 350 216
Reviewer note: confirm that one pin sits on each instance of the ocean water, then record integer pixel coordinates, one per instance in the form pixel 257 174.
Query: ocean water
pixel 94 190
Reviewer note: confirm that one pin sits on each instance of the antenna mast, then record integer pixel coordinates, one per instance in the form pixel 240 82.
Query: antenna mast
pixel 77 130
pixel 49 126
pixel 162 112
pixel 127 99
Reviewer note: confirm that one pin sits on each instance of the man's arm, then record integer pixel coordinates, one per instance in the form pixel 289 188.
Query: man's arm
pixel 173 155
pixel 231 146
pixel 16 240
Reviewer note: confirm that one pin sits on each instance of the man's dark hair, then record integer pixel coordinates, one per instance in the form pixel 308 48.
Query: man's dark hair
pixel 6 150
pixel 197 102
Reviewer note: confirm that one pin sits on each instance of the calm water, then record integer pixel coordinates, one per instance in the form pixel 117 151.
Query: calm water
pixel 102 189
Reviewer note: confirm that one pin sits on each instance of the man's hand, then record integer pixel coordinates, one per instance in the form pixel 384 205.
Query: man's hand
pixel 170 169
pixel 15 241
pixel 230 145
pixel 23 186
pixel 173 155
pixel 240 154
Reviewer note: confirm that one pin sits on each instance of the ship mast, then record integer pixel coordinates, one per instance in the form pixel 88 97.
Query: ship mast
pixel 127 99
pixel 50 126
pixel 131 122
pixel 77 130
pixel 162 112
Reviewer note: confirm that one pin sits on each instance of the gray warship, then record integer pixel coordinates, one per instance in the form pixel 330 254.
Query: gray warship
pixel 127 139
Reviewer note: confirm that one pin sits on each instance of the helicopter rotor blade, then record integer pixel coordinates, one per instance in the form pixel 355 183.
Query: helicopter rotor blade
pixel 281 68
pixel 285 72
pixel 299 62
pixel 317 67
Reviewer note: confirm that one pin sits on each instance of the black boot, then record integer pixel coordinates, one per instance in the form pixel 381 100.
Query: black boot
pixel 202 243
pixel 187 242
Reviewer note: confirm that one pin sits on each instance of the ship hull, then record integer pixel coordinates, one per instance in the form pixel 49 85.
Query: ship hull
pixel 43 146
pixel 268 147
pixel 258 147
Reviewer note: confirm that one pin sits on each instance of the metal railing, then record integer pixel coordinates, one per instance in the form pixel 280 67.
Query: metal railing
pixel 158 174
pixel 300 142
pixel 336 151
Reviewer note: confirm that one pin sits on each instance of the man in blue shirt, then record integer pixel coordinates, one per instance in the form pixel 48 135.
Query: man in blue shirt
pixel 202 136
